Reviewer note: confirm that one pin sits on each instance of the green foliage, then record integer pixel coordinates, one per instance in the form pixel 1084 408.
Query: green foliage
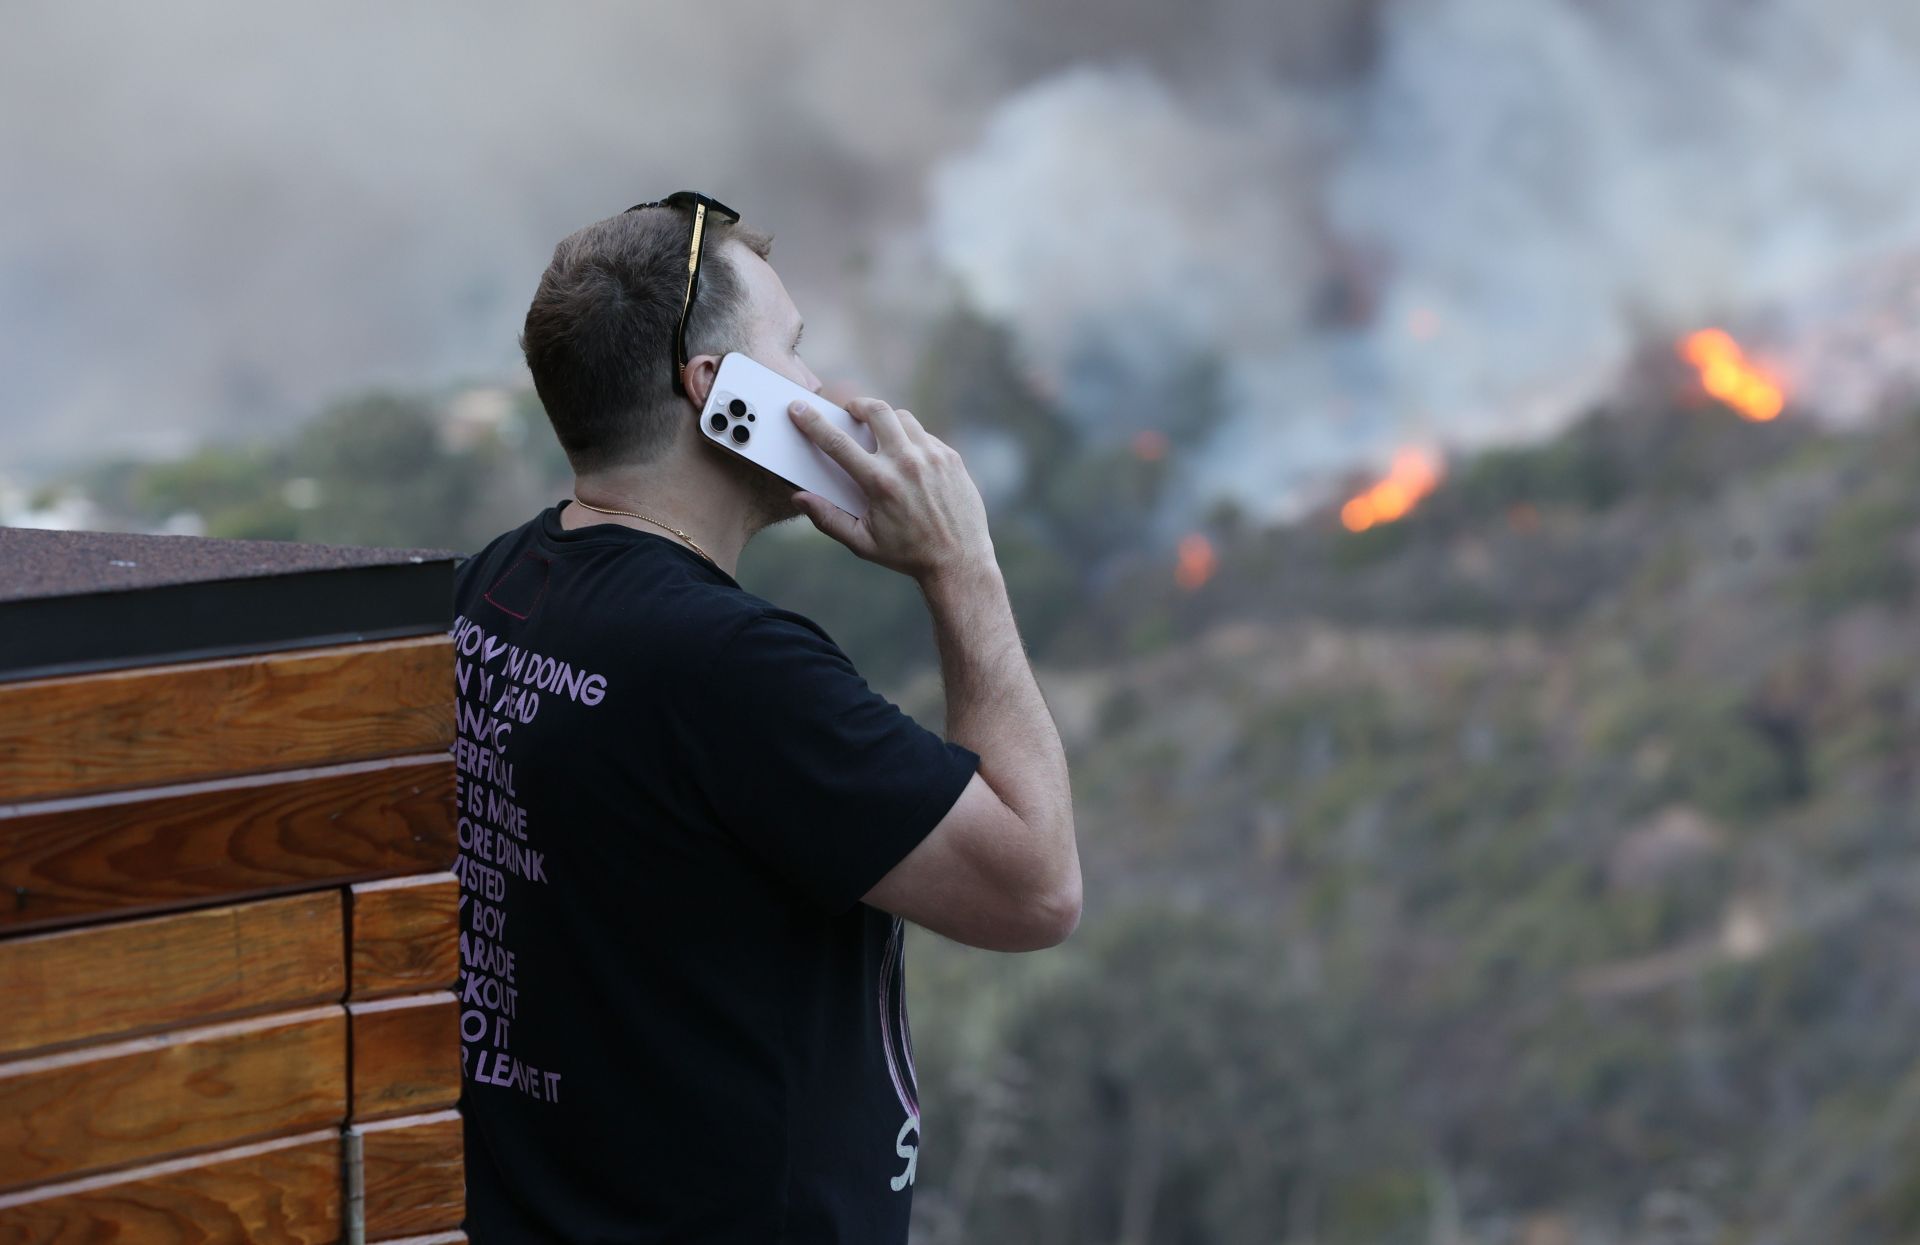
pixel 1727 764
pixel 1183 1100
pixel 1484 913
pixel 1378 1207
pixel 968 377
pixel 1042 584
pixel 370 470
pixel 1858 556
pixel 215 479
pixel 1150 635
pixel 1375 545
pixel 265 518
pixel 1582 469
pixel 1483 869
pixel 1726 756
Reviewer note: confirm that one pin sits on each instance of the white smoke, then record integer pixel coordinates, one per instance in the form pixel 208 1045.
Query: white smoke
pixel 1549 177
pixel 1513 193
pixel 1100 210
pixel 216 216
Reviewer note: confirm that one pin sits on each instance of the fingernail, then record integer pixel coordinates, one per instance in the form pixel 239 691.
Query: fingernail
pixel 798 408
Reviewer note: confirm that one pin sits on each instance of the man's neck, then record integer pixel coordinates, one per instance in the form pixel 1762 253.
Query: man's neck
pixel 699 503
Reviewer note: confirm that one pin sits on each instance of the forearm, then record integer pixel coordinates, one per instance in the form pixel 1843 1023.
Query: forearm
pixel 995 708
pixel 925 518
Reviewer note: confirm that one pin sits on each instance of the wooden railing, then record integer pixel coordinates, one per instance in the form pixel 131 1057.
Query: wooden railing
pixel 228 940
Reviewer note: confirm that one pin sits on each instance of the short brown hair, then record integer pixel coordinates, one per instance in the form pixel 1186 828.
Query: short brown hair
pixel 600 331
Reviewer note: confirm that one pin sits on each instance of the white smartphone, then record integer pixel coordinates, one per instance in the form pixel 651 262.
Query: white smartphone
pixel 746 414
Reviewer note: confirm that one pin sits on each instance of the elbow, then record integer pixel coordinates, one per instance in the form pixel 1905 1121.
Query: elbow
pixel 1064 914
pixel 1056 906
pixel 1054 914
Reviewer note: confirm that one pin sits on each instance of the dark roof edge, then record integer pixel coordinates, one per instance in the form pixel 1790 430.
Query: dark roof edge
pixel 203 619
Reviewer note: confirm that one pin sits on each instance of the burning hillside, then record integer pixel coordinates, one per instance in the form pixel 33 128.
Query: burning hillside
pixel 1415 473
pixel 1727 374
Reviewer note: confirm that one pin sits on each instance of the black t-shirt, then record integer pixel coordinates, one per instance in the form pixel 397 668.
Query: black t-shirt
pixel 678 1022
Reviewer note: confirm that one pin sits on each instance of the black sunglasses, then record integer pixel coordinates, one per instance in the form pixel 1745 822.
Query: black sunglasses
pixel 699 204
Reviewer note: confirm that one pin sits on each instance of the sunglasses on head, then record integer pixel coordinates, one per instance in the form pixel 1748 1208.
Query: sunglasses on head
pixel 699 205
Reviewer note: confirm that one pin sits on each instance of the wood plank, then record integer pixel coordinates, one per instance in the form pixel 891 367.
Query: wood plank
pixel 406 1054
pixel 106 981
pixel 149 1097
pixel 168 724
pixel 415 1174
pixel 280 1192
pixel 406 935
pixel 63 861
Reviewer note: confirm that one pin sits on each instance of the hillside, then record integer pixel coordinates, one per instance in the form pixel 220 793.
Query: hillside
pixel 1536 869
pixel 1539 869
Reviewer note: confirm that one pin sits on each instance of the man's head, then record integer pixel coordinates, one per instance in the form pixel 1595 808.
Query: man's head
pixel 599 335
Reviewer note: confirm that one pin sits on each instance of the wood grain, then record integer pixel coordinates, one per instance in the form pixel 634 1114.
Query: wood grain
pixel 209 719
pixel 148 1097
pixel 280 1192
pixel 406 935
pixel 63 861
pixel 415 1175
pixel 106 981
pixel 406 1054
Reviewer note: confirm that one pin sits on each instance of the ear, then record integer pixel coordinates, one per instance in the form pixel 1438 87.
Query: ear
pixel 698 378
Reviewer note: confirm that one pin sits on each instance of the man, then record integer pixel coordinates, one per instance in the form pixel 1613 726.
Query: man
pixel 689 830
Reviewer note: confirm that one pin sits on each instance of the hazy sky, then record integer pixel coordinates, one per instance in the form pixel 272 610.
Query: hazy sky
pixel 215 216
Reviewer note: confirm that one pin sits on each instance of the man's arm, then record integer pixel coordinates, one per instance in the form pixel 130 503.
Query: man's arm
pixel 1001 870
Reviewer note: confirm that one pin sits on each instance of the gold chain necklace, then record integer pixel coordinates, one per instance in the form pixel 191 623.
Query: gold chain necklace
pixel 691 544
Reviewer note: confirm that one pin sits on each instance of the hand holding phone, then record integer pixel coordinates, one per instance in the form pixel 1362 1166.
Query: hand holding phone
pixel 924 516
pixel 745 413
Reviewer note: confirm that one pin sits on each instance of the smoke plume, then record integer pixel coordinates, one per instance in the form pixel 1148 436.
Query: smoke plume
pixel 1375 222
pixel 1460 243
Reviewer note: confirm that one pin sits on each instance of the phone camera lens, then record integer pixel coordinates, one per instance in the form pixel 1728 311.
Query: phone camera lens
pixel 718 422
pixel 738 407
pixel 741 432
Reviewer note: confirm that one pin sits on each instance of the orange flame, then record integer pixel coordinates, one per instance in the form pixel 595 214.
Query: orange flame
pixel 1197 562
pixel 1415 473
pixel 1727 374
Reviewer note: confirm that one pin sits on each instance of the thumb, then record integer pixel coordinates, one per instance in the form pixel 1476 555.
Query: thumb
pixel 826 516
